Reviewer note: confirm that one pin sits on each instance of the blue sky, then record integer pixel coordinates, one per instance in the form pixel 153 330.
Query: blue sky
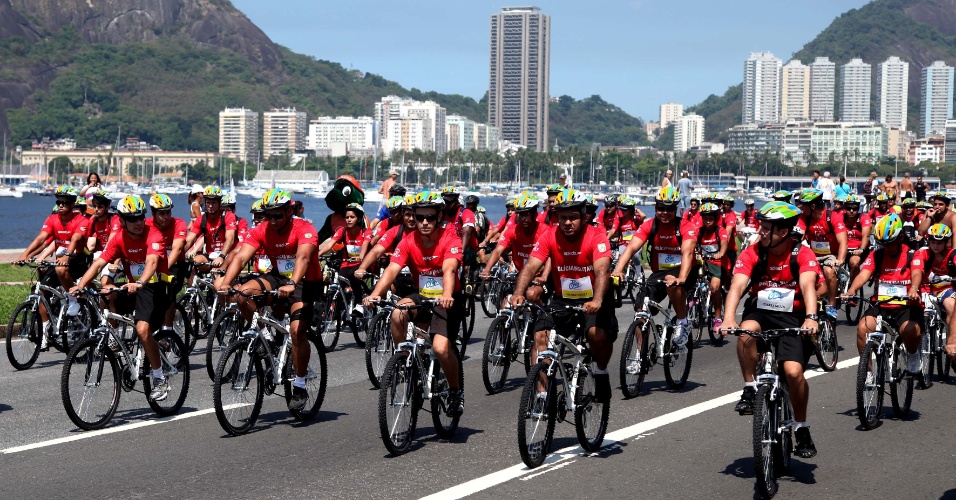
pixel 635 54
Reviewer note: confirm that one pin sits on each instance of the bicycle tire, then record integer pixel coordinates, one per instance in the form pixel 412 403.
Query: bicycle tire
pixel 317 379
pixel 854 308
pixel 73 329
pixel 360 326
pixel 869 397
pixel 90 358
pixel 590 416
pixel 943 363
pixel 496 355
pixel 488 304
pixel 194 317
pixel 634 352
pixel 23 335
pixel 378 347
pixel 238 409
pixel 533 452
pixel 225 330
pixel 716 339
pixel 397 405
pixel 184 329
pixel 694 318
pixel 676 364
pixel 764 434
pixel 470 313
pixel 175 364
pixel 328 323
pixel 928 351
pixel 783 449
pixel 901 389
pixel 827 347
pixel 445 424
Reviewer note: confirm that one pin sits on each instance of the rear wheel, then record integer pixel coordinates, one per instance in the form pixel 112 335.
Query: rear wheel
pixel 590 416
pixel 489 300
pixel 942 361
pixel 901 388
pixel 445 424
pixel 677 362
pixel 23 335
pixel 764 435
pixel 378 347
pixel 90 384
pixel 316 378
pixel 174 360
pixel 328 323
pixel 238 389
pixel 929 352
pixel 184 329
pixel 869 387
pixel 360 327
pixel 827 347
pixel 783 448
pixel 192 314
pixel 397 408
pixel 497 355
pixel 635 362
pixel 537 412
pixel 225 330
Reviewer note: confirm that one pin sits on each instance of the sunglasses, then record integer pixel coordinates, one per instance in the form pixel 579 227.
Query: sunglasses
pixel 61 203
pixel 666 208
pixel 423 218
pixel 278 216
pixel 137 218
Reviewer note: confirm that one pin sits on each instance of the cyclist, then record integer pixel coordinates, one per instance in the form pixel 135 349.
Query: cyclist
pixel 891 267
pixel 590 210
pixel 881 209
pixel 351 236
pixel 173 230
pixel 748 218
pixel 580 260
pixel 782 195
pixel 672 243
pixel 433 255
pixel 610 216
pixel 495 231
pixel 627 223
pixel 858 227
pixel 548 216
pixel 383 212
pixel 729 219
pixel 143 254
pixel 779 298
pixel 826 235
pixel 395 207
pixel 937 259
pixel 387 242
pixel 519 239
pixel 290 243
pixel 911 221
pixel 217 227
pixel 103 225
pixel 242 226
pixel 714 244
pixel 692 214
pixel 939 214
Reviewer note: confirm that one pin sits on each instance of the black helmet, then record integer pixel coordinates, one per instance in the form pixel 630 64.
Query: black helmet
pixel 396 190
pixel 471 200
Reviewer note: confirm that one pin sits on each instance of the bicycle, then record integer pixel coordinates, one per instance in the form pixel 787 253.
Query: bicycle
pixel 334 310
pixel 496 287
pixel 379 346
pixel 198 306
pixel 700 309
pixel 510 334
pixel 934 339
pixel 412 376
pixel 258 362
pixel 113 358
pixel 853 309
pixel 560 382
pixel 654 345
pixel 633 275
pixel 826 345
pixel 773 435
pixel 226 328
pixel 24 330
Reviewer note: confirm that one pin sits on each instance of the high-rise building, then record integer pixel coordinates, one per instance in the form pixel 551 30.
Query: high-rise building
pixel 342 133
pixel 855 81
pixel 460 133
pixel 892 87
pixel 284 131
pixel 822 82
pixel 239 134
pixel 936 105
pixel 393 108
pixel 688 132
pixel 670 113
pixel 949 145
pixel 404 134
pixel 761 99
pixel 519 76
pixel 795 91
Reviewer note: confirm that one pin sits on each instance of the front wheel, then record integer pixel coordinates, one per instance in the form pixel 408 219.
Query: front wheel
pixel 238 389
pixel 378 347
pixel 901 387
pixel 496 355
pixel 929 352
pixel 175 365
pixel 764 436
pixel 225 330
pixel 537 413
pixel 90 384
pixel 590 415
pixel 328 323
pixel 23 335
pixel 635 362
pixel 677 361
pixel 397 406
pixel 869 387
pixel 316 379
pixel 854 308
pixel 827 347
pixel 489 299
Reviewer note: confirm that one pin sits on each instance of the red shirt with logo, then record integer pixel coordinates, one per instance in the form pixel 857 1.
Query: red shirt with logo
pixel 62 230
pixel 665 249
pixel 102 229
pixel 353 244
pixel 611 223
pixel 425 264
pixel 749 220
pixel 215 235
pixel 695 218
pixel 544 219
pixel 709 241
pixel 175 230
pixel 821 235
pixel 894 279
pixel 133 252
pixel 854 230
pixel 281 248
pixel 778 289
pixel 628 228
pixel 924 260
pixel 520 244
pixel 463 218
pixel 572 262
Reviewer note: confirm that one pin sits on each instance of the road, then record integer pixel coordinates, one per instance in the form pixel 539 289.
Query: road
pixel 686 443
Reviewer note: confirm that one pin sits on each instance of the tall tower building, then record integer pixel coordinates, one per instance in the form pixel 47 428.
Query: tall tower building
pixel 795 91
pixel 688 132
pixel 520 73
pixel 284 130
pixel 239 134
pixel 761 100
pixel 936 105
pixel 892 87
pixel 855 80
pixel 670 113
pixel 822 83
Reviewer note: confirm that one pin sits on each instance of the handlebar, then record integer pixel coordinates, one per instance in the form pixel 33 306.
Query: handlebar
pixel 940 279
pixel 235 291
pixel 33 264
pixel 766 334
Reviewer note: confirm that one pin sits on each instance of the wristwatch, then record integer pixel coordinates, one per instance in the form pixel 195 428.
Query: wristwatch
pixel 814 317
pixel 138 282
pixel 290 281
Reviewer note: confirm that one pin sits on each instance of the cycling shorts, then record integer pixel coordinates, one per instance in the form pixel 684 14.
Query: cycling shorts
pixel 658 291
pixel 564 322
pixel 898 316
pixel 149 304
pixel 453 317
pixel 789 348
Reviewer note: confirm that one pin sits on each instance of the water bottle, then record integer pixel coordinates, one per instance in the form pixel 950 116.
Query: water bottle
pixel 616 291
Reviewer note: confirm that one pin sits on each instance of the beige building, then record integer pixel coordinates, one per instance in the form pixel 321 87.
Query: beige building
pixel 239 134
pixel 670 113
pixel 284 130
pixel 101 159
pixel 688 132
pixel 892 89
pixel 795 92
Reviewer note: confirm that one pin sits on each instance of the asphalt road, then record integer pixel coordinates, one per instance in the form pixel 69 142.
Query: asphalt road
pixel 686 443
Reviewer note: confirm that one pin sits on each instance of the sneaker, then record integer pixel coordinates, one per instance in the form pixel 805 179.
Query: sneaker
pixel 680 334
pixel 358 311
pixel 717 324
pixel 456 403
pixel 746 404
pixel 832 311
pixel 299 397
pixel 44 342
pixel 805 447
pixel 602 387
pixel 914 362
pixel 160 389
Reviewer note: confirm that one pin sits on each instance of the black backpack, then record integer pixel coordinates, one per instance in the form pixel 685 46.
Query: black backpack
pixel 653 231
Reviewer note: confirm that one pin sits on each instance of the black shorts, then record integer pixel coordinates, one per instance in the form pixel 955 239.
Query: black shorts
pixel 790 347
pixel 306 292
pixel 897 317
pixel 77 266
pixel 455 315
pixel 149 304
pixel 179 274
pixel 658 291
pixel 564 322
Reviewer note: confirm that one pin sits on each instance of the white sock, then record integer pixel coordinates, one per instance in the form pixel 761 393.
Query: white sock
pixel 158 373
pixel 751 384
pixel 299 382
pixel 46 327
pixel 599 371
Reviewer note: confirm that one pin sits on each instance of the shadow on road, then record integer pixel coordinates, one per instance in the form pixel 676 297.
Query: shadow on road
pixel 4 407
pixel 800 472
pixel 661 385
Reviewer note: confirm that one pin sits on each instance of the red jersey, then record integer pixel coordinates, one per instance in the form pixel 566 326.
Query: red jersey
pixel 425 264
pixel 464 218
pixel 102 229
pixel 778 289
pixel 821 235
pixel 709 241
pixel 382 227
pixel 611 223
pixel 665 249
pixel 242 229
pixel 503 223
pixel 521 245
pixel 544 219
pixel 215 235
pixel 932 267
pixel 392 237
pixel 133 253
pixel 695 218
pixel 281 248
pixel 854 230
pixel 176 230
pixel 572 262
pixel 353 244
pixel 628 228
pixel 749 220
pixel 62 230
pixel 894 278
pixel 729 221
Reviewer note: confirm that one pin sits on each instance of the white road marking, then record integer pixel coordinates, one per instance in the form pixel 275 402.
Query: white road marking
pixel 610 439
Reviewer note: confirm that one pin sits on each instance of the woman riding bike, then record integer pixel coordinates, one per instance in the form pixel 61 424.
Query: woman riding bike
pixel 713 243
pixel 858 228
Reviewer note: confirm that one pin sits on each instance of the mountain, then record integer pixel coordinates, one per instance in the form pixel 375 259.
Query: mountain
pixel 161 70
pixel 917 31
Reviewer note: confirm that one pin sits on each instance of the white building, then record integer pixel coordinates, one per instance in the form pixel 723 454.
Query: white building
pixel 486 137
pixel 404 134
pixel 460 133
pixel 239 134
pixel 795 91
pixel 283 131
pixel 892 87
pixel 936 105
pixel 761 93
pixel 670 113
pixel 855 81
pixel 432 115
pixel 688 132
pixel 865 141
pixel 822 82
pixel 356 136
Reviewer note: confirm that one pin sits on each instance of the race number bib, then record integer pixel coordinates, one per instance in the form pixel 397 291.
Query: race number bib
pixel 136 270
pixel 285 267
pixel 263 264
pixel 668 260
pixel 627 235
pixel 820 247
pixel 776 299
pixel 887 290
pixel 353 250
pixel 430 287
pixel 576 288
pixel 708 249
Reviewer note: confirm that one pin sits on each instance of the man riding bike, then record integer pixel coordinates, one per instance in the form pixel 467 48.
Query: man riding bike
pixel 858 227
pixel 911 222
pixel 714 245
pixel 519 239
pixel 939 214
pixel 826 234
pixel 610 216
pixel 173 230
pixel 937 259
pixel 217 227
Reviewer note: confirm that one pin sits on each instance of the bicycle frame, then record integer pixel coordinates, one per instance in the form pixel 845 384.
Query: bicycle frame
pixel 648 318
pixel 416 338
pixel 557 347
pixel 254 335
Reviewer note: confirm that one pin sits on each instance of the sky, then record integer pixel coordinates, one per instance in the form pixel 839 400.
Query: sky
pixel 636 54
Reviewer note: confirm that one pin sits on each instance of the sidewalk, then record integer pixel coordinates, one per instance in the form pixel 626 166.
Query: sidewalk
pixel 7 255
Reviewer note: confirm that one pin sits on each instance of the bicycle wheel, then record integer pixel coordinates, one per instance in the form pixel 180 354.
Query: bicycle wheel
pixel 225 330
pixel 316 380
pixel 695 319
pixel 90 384
pixel 854 308
pixel 238 389
pixel 445 424
pixel 677 361
pixel 869 386
pixel 175 362
pixel 73 329
pixel 360 326
pixel 635 362
pixel 184 329
pixel 716 338
pixel 537 412
pixel 23 335
pixel 470 314
pixel 378 347
pixel 192 315
pixel 942 359
pixel 489 300
pixel 397 408
pixel 496 355
pixel 590 416
pixel 827 346
pixel 901 388
pixel 328 323
pixel 928 351
pixel 783 447
pixel 764 436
